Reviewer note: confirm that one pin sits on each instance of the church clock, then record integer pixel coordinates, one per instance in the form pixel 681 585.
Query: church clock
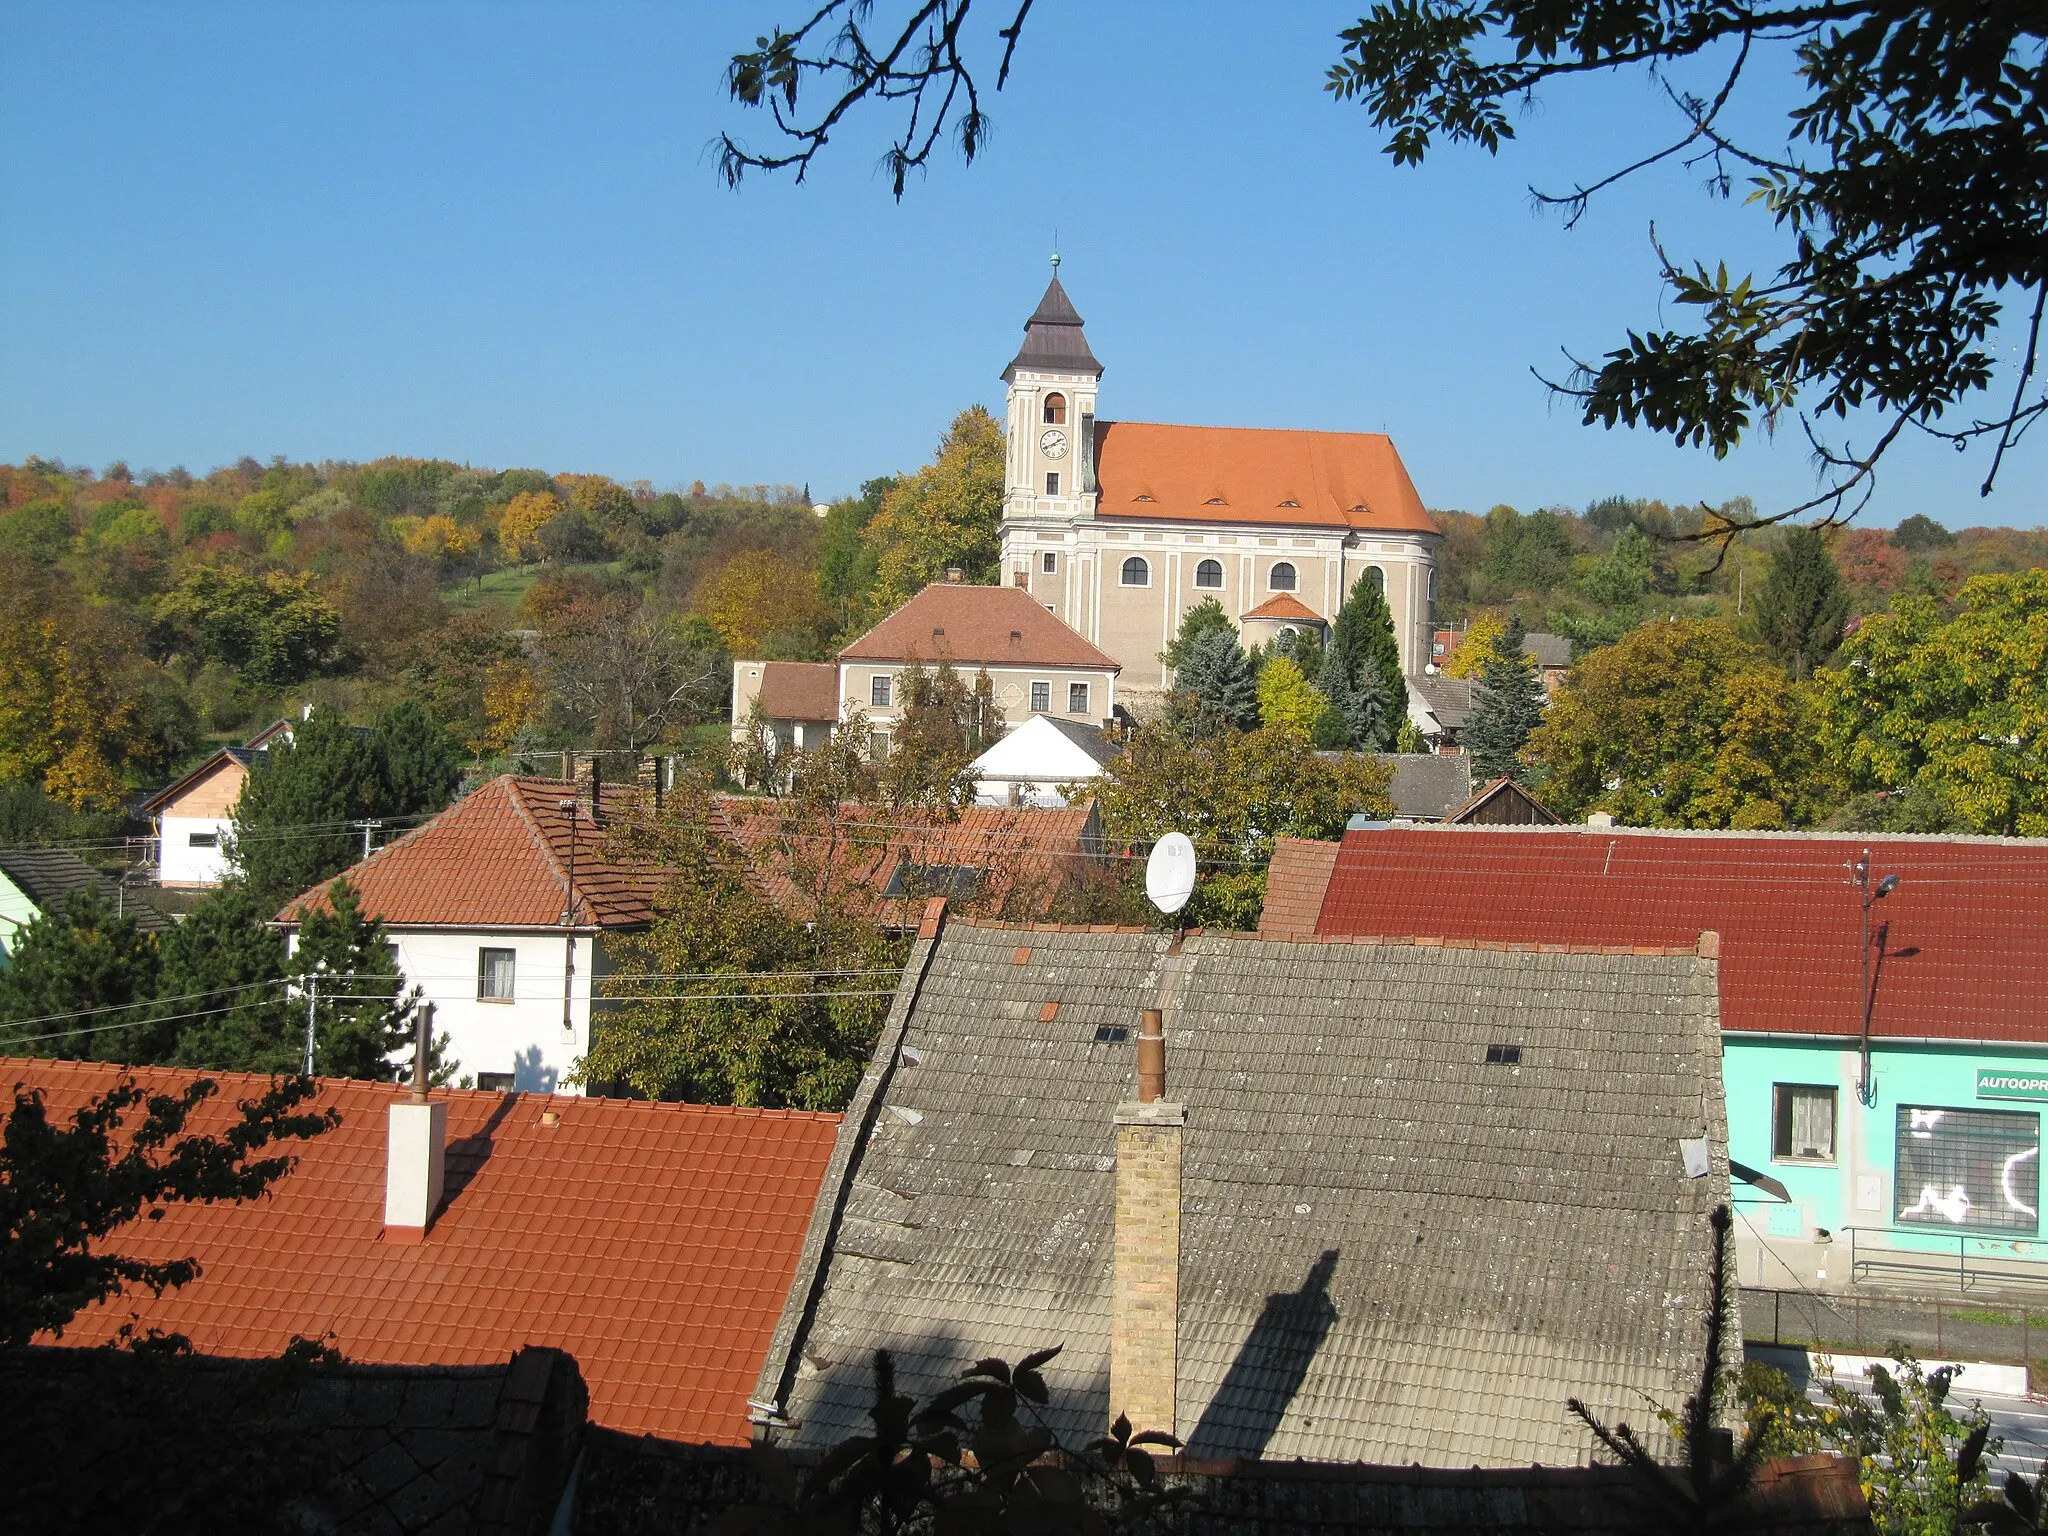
pixel 1053 444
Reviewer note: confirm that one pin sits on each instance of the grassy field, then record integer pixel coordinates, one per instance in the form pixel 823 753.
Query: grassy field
pixel 510 584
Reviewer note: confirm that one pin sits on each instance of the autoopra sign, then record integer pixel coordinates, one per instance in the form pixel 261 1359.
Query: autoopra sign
pixel 1997 1083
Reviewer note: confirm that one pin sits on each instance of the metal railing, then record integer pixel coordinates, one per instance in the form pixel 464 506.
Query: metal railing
pixel 1871 1250
pixel 1934 1329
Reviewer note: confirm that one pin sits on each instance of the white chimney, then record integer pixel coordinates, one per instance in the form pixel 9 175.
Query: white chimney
pixel 1600 819
pixel 416 1162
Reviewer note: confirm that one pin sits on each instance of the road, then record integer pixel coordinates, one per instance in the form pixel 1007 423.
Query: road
pixel 2021 1421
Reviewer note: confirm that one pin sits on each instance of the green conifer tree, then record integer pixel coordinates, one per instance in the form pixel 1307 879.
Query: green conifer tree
pixel 225 956
pixel 1216 686
pixel 75 977
pixel 362 1017
pixel 1799 612
pixel 1361 674
pixel 1206 617
pixel 1506 709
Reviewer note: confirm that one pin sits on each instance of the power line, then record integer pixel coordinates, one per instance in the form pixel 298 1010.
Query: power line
pixel 154 1002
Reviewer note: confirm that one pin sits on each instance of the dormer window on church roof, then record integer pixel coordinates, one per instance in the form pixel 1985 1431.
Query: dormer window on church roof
pixel 1290 502
pixel 1215 501
pixel 1141 497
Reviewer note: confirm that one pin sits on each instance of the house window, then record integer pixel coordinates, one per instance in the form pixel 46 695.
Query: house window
pixel 1041 697
pixel 1967 1168
pixel 1049 562
pixel 495 1082
pixel 878 746
pixel 1055 410
pixel 1137 573
pixel 1281 578
pixel 494 974
pixel 1052 482
pixel 878 690
pixel 203 840
pixel 1209 574
pixel 1802 1123
pixel 1077 698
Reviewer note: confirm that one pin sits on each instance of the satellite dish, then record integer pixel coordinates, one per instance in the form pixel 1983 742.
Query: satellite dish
pixel 1170 872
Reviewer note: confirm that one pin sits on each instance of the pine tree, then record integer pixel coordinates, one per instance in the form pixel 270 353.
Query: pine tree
pixel 73 976
pixel 416 759
pixel 1507 708
pixel 1206 617
pixel 361 1018
pixel 1799 613
pixel 1215 685
pixel 1361 673
pixel 224 955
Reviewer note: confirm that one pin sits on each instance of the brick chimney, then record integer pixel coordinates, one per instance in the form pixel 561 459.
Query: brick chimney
pixel 1144 1329
pixel 416 1159
pixel 955 575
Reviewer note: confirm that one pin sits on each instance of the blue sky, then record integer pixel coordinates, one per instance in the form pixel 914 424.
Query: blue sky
pixel 493 232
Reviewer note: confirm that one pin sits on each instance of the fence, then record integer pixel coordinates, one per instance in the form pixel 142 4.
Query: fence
pixel 1935 1329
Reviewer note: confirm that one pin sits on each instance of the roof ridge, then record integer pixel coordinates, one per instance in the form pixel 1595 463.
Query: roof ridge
pixel 1196 426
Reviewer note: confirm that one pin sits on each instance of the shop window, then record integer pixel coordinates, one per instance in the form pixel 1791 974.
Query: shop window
pixel 1209 574
pixel 1967 1168
pixel 1802 1123
pixel 494 969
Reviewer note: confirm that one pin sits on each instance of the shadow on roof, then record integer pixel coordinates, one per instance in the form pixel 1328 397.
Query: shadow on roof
pixel 1262 1381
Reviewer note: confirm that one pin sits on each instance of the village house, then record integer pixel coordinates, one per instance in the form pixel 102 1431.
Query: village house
pixel 1120 527
pixel 193 816
pixel 1375 1201
pixel 1885 1083
pixel 506 913
pixel 1036 763
pixel 653 1242
pixel 34 881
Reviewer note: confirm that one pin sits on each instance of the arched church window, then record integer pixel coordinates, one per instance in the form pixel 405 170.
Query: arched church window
pixel 1056 410
pixel 1282 577
pixel 1209 574
pixel 1377 577
pixel 1137 573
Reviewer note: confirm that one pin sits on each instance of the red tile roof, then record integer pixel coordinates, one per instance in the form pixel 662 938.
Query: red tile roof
pixel 1963 940
pixel 800 690
pixel 1285 605
pixel 1026 852
pixel 499 858
pixel 987 626
pixel 1256 475
pixel 654 1242
pixel 1295 883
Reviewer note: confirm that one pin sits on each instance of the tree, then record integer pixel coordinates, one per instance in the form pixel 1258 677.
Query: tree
pixel 1361 674
pixel 1205 618
pixel 1288 701
pixel 846 563
pixel 945 515
pixel 1906 194
pixel 1214 685
pixel 520 525
pixel 416 760
pixel 77 984
pixel 746 1018
pixel 221 979
pixel 757 593
pixel 67 1187
pixel 1681 724
pixel 361 1017
pixel 1475 647
pixel 276 628
pixel 1232 794
pixel 624 678
pixel 1921 533
pixel 292 825
pixel 1801 607
pixel 1956 707
pixel 943 724
pixel 1621 577
pixel 1507 709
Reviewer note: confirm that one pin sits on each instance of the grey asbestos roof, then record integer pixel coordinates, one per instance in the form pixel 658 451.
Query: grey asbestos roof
pixel 1428 786
pixel 48 876
pixel 1053 339
pixel 1088 738
pixel 1549 650
pixel 1449 698
pixel 1392 1250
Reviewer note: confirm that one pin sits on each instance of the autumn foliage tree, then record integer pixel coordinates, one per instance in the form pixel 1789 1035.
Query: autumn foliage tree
pixel 945 515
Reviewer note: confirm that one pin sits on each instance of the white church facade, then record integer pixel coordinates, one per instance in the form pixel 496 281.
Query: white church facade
pixel 1120 527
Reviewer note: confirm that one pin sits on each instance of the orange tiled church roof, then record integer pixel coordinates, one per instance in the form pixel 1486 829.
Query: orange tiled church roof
pixel 1350 480
pixel 654 1242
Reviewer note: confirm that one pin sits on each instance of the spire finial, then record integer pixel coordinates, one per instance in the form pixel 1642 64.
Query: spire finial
pixel 1055 263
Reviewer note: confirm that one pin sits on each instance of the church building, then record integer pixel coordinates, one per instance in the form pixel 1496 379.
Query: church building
pixel 1120 527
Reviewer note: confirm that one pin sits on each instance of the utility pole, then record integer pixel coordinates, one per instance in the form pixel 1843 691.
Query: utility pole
pixel 1859 876
pixel 368 827
pixel 312 1006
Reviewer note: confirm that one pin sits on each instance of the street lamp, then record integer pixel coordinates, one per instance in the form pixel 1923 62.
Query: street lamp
pixel 1859 876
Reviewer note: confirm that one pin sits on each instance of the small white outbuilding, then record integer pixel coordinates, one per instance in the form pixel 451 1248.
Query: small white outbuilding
pixel 1031 763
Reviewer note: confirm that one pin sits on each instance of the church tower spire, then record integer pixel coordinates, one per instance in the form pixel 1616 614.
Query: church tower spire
pixel 1052 382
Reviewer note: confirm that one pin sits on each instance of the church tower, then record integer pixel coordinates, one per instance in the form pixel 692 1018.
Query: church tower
pixel 1051 438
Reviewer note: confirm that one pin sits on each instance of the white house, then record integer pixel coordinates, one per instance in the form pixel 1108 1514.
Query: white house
pixel 193 816
pixel 1030 764
pixel 505 915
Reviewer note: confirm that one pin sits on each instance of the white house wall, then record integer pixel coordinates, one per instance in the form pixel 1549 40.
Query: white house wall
pixel 182 864
pixel 525 1036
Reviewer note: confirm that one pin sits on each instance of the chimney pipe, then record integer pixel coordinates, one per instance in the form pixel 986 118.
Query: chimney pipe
pixel 1145 1305
pixel 416 1157
pixel 1151 1057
